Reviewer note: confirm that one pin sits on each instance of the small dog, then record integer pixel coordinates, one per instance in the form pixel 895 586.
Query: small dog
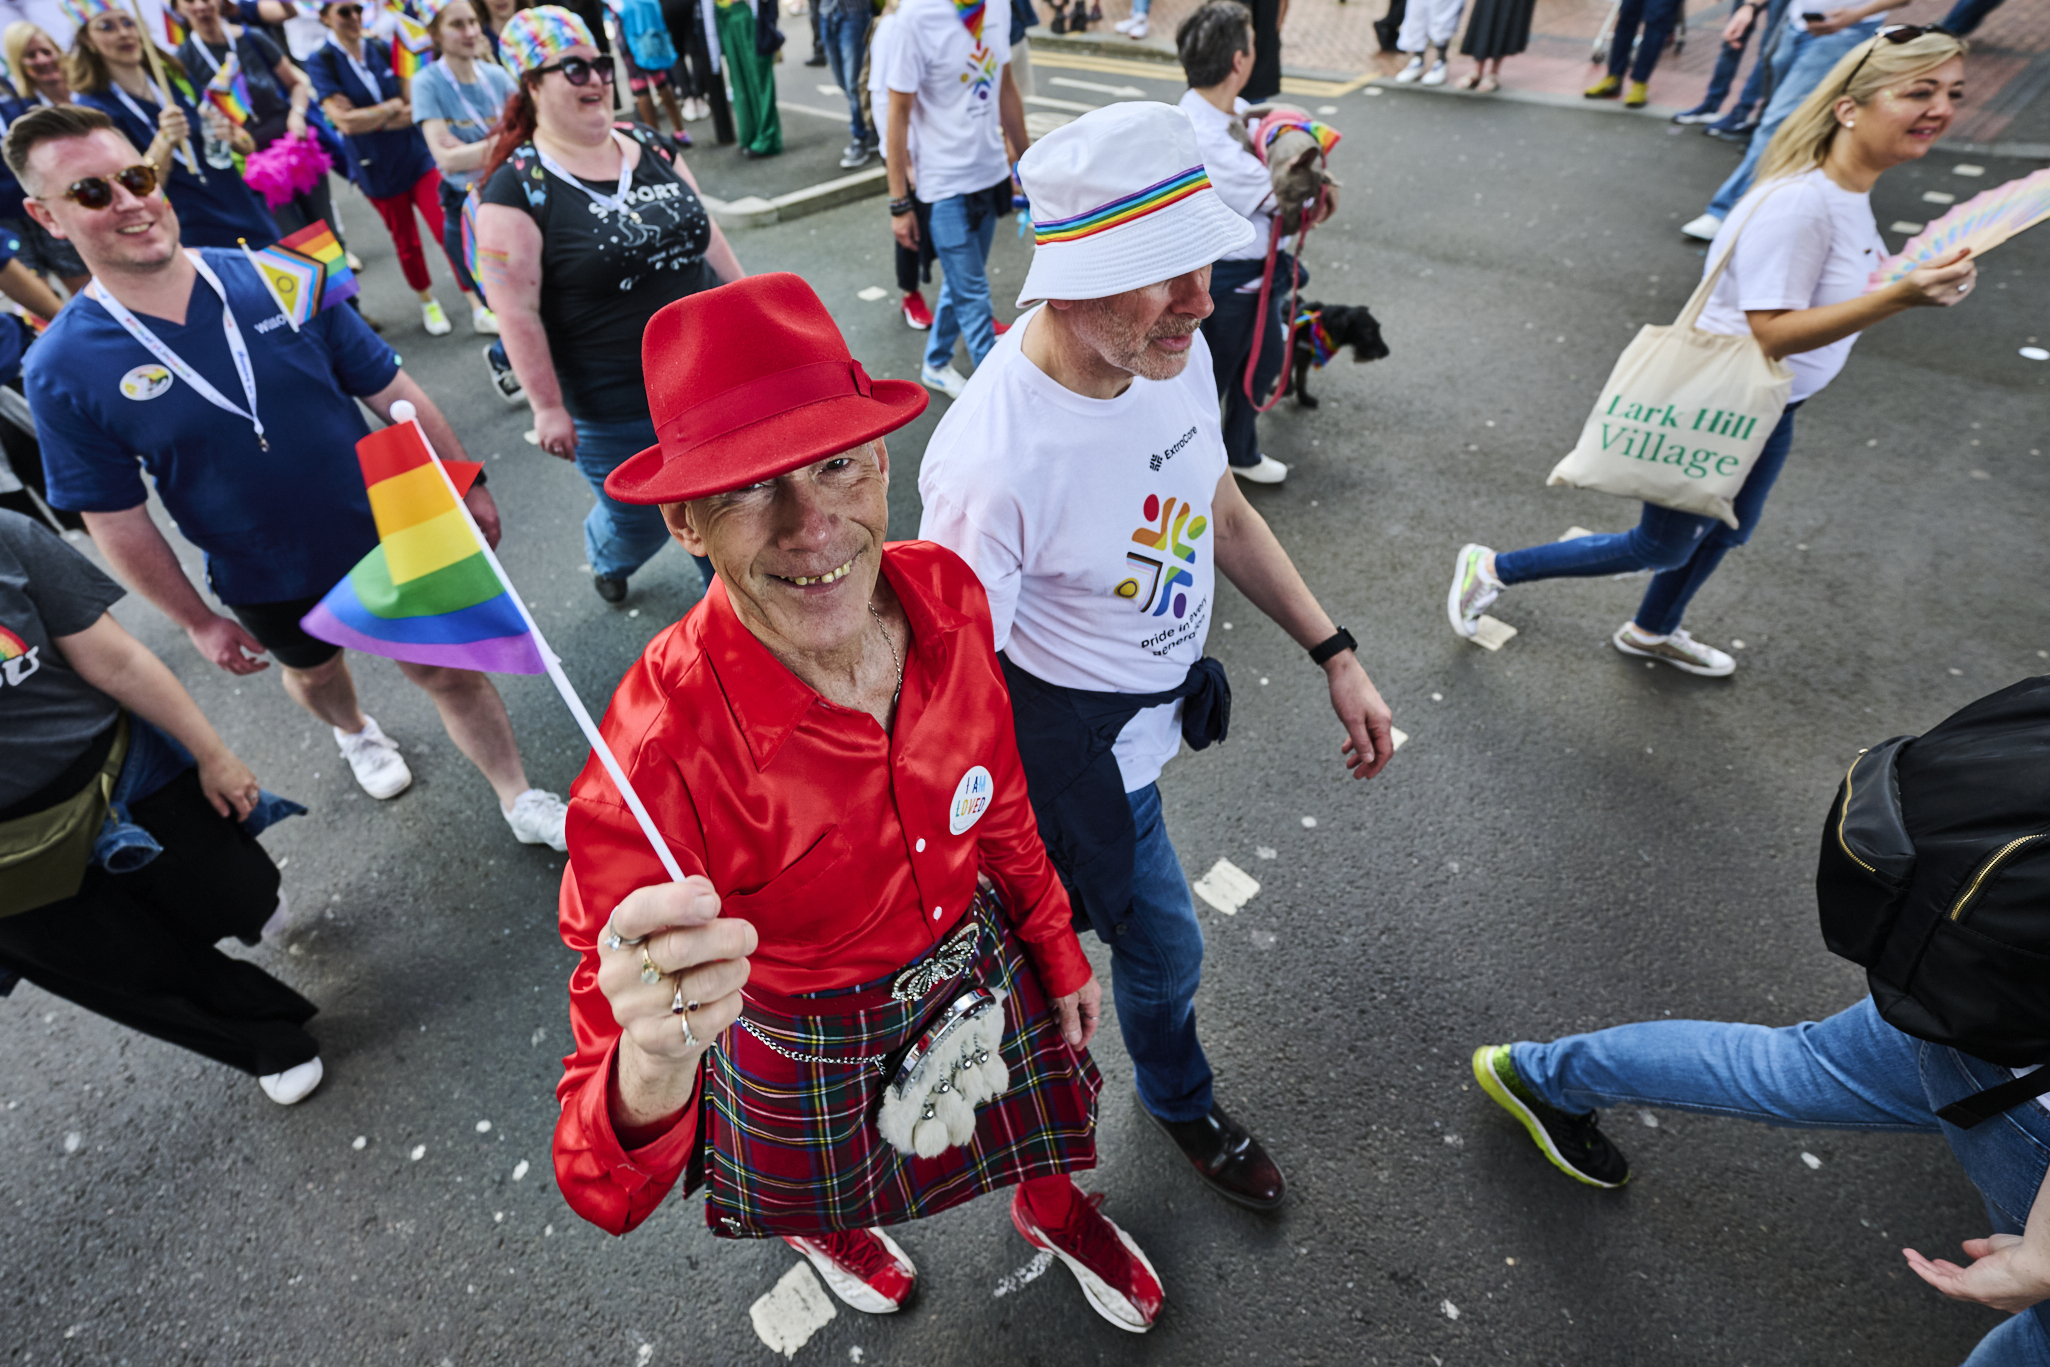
pixel 1323 332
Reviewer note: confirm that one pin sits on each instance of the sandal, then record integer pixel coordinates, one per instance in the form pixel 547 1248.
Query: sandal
pixel 1488 86
pixel 1471 82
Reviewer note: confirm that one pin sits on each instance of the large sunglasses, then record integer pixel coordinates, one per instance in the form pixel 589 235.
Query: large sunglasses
pixel 578 71
pixel 1899 33
pixel 346 11
pixel 97 192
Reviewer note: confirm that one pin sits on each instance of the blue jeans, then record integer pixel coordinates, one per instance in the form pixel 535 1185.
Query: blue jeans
pixel 1657 17
pixel 1728 59
pixel 1967 15
pixel 1684 548
pixel 1156 965
pixel 619 538
pixel 1799 62
pixel 963 310
pixel 845 37
pixel 1850 1072
pixel 1229 332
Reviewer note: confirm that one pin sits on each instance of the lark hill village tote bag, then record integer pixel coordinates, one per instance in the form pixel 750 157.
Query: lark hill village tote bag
pixel 1684 414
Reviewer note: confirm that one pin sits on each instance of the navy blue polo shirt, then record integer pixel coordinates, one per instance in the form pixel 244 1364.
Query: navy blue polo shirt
pixel 213 210
pixel 388 162
pixel 275 525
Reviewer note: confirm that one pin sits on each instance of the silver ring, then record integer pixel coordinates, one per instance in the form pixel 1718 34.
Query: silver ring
pixel 614 940
pixel 690 1041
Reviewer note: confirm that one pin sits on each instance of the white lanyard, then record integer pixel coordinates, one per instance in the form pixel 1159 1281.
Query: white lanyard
pixel 612 203
pixel 199 46
pixel 362 72
pixel 149 123
pixel 176 363
pixel 485 114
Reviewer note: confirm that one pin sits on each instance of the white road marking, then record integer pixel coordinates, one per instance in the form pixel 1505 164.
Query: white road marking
pixel 1125 92
pixel 1327 109
pixel 1967 169
pixel 1938 197
pixel 1049 102
pixel 871 294
pixel 1905 226
pixel 1027 1274
pixel 1227 887
pixel 1492 634
pixel 832 90
pixel 794 1309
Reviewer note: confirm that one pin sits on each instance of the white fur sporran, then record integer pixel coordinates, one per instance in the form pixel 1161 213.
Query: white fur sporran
pixel 956 1066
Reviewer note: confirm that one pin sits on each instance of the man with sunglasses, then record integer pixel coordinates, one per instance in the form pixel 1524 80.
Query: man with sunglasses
pixel 178 361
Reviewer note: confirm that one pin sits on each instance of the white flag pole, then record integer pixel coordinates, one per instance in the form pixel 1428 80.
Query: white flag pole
pixel 403 412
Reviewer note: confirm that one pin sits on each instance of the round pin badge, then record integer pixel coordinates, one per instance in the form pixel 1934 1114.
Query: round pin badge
pixel 972 796
pixel 145 382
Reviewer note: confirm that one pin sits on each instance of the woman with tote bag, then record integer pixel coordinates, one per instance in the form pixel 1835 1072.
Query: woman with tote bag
pixel 1790 268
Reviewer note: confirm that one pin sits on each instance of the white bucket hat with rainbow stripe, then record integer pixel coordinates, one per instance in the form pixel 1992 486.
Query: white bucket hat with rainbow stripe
pixel 1120 200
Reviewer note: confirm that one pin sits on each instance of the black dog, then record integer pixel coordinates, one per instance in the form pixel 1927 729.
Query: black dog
pixel 1329 329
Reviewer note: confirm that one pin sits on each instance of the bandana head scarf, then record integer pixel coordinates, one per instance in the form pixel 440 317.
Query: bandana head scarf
pixel 533 38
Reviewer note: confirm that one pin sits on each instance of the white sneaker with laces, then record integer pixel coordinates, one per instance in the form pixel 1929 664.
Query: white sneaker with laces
pixel 1703 229
pixel 1268 471
pixel 1473 590
pixel 483 321
pixel 433 319
pixel 1436 75
pixel 294 1085
pixel 1124 25
pixel 1679 650
pixel 374 759
pixel 1139 29
pixel 1411 72
pixel 946 379
pixel 537 818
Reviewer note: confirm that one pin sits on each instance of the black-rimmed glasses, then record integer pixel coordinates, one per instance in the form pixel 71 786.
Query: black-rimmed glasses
pixel 578 71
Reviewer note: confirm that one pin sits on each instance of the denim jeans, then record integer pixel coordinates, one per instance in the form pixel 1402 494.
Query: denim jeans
pixel 1229 332
pixel 1799 62
pixel 452 237
pixel 963 310
pixel 845 37
pixel 619 538
pixel 1967 15
pixel 1684 548
pixel 1156 965
pixel 1850 1072
pixel 1658 17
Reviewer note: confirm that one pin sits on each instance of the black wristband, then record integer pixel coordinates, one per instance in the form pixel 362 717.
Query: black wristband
pixel 901 207
pixel 1339 640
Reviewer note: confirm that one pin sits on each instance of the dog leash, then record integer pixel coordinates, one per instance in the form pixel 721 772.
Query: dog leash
pixel 1295 299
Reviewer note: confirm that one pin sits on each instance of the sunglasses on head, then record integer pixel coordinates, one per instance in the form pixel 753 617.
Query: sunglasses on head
pixel 97 192
pixel 1899 33
pixel 578 71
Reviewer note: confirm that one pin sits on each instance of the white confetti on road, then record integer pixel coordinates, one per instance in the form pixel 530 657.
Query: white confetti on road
pixel 1811 1160
pixel 1648 1120
pixel 1492 634
pixel 794 1309
pixel 1227 887
pixel 483 1127
pixel 361 1140
pixel 871 294
pixel 1266 852
pixel 520 1170
pixel 1399 736
pixel 1309 823
pixel 419 1152
pixel 1027 1274
pixel 644 1355
pixel 72 1141
pixel 1451 1310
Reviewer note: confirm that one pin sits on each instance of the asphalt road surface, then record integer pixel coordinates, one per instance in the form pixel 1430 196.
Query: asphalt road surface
pixel 1569 839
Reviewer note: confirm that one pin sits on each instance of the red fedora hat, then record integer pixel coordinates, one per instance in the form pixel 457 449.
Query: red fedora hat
pixel 749 381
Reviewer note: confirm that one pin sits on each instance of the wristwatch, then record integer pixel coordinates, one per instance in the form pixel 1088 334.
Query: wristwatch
pixel 1325 649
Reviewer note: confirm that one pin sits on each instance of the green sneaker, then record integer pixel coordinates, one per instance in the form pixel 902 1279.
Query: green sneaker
pixel 1574 1143
pixel 1473 590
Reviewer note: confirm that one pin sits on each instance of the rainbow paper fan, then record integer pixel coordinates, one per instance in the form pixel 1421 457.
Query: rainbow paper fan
pixel 1982 223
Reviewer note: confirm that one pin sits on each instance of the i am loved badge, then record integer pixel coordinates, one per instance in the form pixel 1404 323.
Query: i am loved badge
pixel 972 796
pixel 145 382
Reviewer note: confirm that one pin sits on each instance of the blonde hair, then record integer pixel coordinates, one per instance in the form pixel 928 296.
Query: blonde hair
pixel 14 42
pixel 87 70
pixel 1803 141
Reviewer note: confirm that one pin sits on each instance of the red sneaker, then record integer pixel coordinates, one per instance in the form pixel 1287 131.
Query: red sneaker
pixel 916 314
pixel 864 1267
pixel 1116 1279
pixel 1001 328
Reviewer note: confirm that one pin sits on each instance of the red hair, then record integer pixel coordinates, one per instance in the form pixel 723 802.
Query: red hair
pixel 515 126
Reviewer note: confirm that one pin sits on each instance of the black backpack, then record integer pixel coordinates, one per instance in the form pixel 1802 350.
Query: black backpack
pixel 1935 875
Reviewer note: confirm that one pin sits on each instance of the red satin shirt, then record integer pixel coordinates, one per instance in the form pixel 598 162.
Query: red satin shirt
pixel 852 852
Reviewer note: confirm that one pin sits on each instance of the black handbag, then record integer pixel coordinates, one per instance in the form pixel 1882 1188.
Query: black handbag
pixel 1935 876
pixel 768 38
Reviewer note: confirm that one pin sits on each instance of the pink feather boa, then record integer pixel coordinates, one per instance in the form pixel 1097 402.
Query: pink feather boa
pixel 287 168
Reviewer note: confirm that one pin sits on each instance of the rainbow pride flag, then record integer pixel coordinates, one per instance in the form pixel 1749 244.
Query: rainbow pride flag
pixel 174 29
pixel 229 92
pixel 295 280
pixel 412 46
pixel 317 240
pixel 428 594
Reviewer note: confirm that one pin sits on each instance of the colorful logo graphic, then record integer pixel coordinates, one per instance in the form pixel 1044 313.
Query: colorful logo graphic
pixel 17 657
pixel 145 382
pixel 982 69
pixel 972 796
pixel 1174 533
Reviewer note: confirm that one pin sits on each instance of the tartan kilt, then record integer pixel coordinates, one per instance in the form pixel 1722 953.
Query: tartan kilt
pixel 790 1147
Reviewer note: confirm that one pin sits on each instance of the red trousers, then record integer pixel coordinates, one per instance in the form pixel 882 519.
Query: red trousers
pixel 397 212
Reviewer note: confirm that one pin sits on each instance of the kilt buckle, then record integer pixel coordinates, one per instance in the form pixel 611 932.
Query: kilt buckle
pixel 958 1065
pixel 947 963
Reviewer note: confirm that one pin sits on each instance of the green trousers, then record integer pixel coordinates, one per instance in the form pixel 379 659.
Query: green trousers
pixel 753 78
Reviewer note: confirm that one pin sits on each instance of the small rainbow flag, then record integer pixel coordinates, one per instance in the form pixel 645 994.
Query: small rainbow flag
pixel 317 240
pixel 229 92
pixel 174 29
pixel 294 279
pixel 428 594
pixel 412 46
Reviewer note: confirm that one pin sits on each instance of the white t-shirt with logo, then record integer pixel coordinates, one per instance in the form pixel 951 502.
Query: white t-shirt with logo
pixel 1811 242
pixel 956 79
pixel 1088 521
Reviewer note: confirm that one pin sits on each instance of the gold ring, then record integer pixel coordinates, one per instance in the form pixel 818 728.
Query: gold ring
pixel 649 973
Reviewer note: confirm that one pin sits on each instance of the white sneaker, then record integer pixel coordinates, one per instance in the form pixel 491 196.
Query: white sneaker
pixel 537 818
pixel 1412 71
pixel 293 1085
pixel 1268 471
pixel 1679 650
pixel 1703 229
pixel 1473 590
pixel 374 759
pixel 1125 25
pixel 946 379
pixel 433 319
pixel 355 261
pixel 1139 28
pixel 483 321
pixel 1436 75
pixel 281 923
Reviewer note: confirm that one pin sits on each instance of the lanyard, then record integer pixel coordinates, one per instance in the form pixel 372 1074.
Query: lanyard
pixel 612 203
pixel 154 344
pixel 148 122
pixel 362 72
pixel 199 46
pixel 486 115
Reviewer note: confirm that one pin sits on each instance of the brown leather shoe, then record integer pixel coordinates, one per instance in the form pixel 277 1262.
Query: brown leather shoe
pixel 1229 1159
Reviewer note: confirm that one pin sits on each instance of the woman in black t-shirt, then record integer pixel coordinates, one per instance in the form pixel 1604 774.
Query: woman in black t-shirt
pixel 585 230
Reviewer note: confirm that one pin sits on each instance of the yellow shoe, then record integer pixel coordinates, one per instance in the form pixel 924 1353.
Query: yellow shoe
pixel 1607 88
pixel 1635 96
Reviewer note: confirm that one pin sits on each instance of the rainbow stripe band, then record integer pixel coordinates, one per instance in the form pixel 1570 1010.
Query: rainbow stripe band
pixel 1119 212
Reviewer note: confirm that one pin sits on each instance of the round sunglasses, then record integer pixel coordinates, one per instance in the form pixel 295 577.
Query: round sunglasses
pixel 578 71
pixel 97 192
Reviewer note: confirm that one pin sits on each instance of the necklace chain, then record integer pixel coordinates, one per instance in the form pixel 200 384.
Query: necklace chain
pixel 894 657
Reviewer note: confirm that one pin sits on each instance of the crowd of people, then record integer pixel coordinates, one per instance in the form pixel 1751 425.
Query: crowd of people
pixel 869 793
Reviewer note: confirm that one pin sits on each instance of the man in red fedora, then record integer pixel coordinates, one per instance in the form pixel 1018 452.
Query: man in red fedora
pixel 865 1003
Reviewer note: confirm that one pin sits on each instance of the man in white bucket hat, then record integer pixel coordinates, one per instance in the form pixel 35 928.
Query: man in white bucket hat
pixel 1082 473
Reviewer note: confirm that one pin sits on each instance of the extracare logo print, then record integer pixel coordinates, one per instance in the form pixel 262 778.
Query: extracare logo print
pixel 1172 532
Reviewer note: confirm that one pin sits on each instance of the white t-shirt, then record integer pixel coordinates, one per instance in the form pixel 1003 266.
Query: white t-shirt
pixel 954 120
pixel 1235 173
pixel 1088 523
pixel 1811 243
pixel 882 50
